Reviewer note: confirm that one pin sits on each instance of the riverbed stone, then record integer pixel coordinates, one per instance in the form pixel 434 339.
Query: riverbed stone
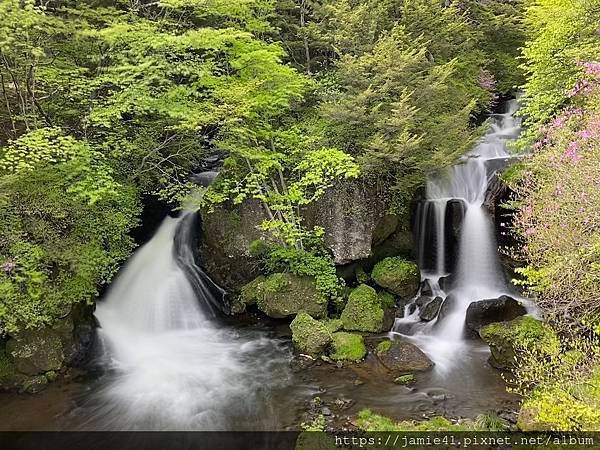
pixel 401 357
pixel 282 295
pixel 397 275
pixel 363 311
pixel 310 336
pixel 484 312
pixel 506 338
pixel 431 309
pixel 35 384
pixel 347 347
pixel 426 288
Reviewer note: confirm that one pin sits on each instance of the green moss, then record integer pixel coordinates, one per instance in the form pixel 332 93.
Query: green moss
pixel 386 300
pixel 507 338
pixel 251 292
pixel 361 275
pixel 334 325
pixel 284 294
pixel 309 335
pixel 560 407
pixel 369 421
pixel 348 346
pixel 405 379
pixel 397 275
pixel 383 346
pixel 363 311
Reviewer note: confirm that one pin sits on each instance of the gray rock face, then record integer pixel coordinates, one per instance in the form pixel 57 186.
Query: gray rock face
pixel 484 312
pixel 353 216
pixel 36 351
pixel 403 357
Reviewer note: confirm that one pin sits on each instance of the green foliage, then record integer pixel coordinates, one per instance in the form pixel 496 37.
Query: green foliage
pixel 561 390
pixel 560 33
pixel 304 263
pixel 347 347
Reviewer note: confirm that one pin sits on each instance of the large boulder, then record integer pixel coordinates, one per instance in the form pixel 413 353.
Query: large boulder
pixel 397 275
pixel 227 234
pixel 348 347
pixel 484 312
pixel 401 357
pixel 353 214
pixel 309 336
pixel 284 294
pixel 506 339
pixel 363 311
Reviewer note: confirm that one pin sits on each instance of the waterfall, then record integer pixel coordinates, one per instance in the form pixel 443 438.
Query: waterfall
pixel 475 273
pixel 169 365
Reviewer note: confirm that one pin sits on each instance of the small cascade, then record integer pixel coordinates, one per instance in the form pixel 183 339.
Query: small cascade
pixel 457 249
pixel 169 365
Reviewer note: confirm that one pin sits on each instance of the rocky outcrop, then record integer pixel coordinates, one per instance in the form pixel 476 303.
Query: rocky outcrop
pixel 401 357
pixel 484 312
pixel 309 336
pixel 353 214
pixel 284 294
pixel 227 233
pixel 397 275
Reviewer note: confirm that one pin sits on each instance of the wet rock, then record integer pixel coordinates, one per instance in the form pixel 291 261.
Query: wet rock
pixel 401 357
pixel 405 379
pixel 504 338
pixel 283 294
pixel 447 307
pixel 488 311
pixel 426 288
pixel 431 309
pixel 422 301
pixel 309 336
pixel 445 283
pixel 33 385
pixel 455 214
pixel 363 311
pixel 397 275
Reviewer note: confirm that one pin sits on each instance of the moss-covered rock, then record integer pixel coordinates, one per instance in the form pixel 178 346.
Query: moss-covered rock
pixel 397 275
pixel 405 379
pixel 348 346
pixel 284 294
pixel 506 338
pixel 401 357
pixel 363 311
pixel 309 336
pixel 386 300
pixel 35 384
pixel 36 351
pixel 334 325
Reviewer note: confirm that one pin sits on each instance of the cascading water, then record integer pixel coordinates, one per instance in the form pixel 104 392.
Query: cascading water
pixel 467 261
pixel 170 366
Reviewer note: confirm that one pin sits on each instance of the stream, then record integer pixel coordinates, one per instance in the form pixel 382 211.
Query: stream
pixel 165 362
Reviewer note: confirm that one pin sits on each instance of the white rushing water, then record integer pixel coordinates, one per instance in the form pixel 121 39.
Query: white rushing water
pixel 477 272
pixel 171 367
